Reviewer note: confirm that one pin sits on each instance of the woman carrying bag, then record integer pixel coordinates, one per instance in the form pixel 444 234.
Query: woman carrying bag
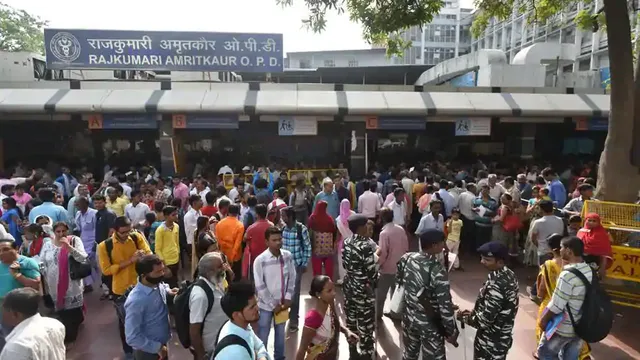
pixel 64 261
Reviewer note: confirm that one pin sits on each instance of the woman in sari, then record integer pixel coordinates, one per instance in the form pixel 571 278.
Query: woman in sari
pixel 204 242
pixel 344 233
pixel 322 231
pixel 597 243
pixel 322 325
pixel 546 284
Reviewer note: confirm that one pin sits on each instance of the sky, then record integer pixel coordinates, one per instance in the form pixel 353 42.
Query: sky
pixel 248 16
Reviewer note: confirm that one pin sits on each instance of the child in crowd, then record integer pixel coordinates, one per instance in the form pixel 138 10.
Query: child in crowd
pixel 454 229
pixel 151 225
pixel 575 223
pixel 545 194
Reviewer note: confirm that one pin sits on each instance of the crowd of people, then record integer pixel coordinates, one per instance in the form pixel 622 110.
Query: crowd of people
pixel 243 251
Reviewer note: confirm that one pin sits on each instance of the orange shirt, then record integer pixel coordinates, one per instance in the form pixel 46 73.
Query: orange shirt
pixel 230 232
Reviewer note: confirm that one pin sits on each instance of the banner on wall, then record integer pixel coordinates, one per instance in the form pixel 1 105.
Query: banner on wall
pixel 163 50
pixel 192 121
pixel 122 121
pixel 473 127
pixel 292 126
pixel 592 124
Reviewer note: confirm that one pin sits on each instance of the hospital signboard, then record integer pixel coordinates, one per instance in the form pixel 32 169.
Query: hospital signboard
pixel 163 50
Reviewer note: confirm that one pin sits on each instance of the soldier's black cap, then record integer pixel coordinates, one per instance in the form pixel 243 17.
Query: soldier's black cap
pixel 357 220
pixel 494 249
pixel 431 237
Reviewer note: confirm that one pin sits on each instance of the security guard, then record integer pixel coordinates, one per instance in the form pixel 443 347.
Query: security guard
pixel 496 306
pixel 425 282
pixel 359 287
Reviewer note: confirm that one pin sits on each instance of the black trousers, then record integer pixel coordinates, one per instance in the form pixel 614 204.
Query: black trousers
pixel 123 338
pixel 172 281
pixel 467 236
pixel 71 319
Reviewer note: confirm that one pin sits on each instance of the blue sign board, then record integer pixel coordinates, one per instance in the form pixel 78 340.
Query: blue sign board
pixel 401 123
pixel 163 50
pixel 465 80
pixel 592 124
pixel 212 122
pixel 129 121
pixel 605 77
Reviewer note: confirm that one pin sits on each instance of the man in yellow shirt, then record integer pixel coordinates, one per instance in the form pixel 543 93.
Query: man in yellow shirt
pixel 117 256
pixel 116 203
pixel 168 245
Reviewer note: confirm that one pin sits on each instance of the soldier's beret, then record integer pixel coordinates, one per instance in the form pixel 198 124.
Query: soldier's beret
pixel 494 249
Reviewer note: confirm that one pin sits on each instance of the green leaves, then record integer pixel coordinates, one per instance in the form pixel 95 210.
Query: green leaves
pixel 20 31
pixel 382 20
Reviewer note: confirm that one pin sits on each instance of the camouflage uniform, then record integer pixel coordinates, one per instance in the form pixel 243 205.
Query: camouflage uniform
pixel 418 271
pixel 358 286
pixel 494 314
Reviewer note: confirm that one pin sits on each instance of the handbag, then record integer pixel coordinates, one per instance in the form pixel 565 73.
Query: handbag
pixel 511 222
pixel 397 299
pixel 78 269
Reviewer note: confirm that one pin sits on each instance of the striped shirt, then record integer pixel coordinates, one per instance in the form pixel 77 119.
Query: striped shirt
pixel 301 250
pixel 275 278
pixel 570 291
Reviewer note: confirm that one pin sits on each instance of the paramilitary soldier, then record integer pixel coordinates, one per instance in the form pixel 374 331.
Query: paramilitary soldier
pixel 496 307
pixel 359 287
pixel 428 317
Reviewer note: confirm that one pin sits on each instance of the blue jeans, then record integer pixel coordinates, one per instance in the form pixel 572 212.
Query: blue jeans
pixel 264 328
pixel 559 347
pixel 294 314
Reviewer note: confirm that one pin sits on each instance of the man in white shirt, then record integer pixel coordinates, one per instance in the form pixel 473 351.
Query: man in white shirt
pixel 495 190
pixel 191 218
pixel 221 191
pixel 33 337
pixel 201 189
pixel 205 314
pixel 407 185
pixel 136 210
pixel 369 202
pixel 399 207
pixel 465 204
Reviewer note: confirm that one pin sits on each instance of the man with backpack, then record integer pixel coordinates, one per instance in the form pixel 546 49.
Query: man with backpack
pixel 236 340
pixel 117 256
pixel 197 308
pixel 584 307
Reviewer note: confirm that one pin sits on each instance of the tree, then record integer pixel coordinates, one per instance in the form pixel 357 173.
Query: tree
pixel 618 173
pixel 381 20
pixel 20 31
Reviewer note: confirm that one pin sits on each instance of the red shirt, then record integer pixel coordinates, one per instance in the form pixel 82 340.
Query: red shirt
pixel 255 237
pixel 209 210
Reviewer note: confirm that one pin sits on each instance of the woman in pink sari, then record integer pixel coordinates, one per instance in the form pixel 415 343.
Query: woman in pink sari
pixel 343 233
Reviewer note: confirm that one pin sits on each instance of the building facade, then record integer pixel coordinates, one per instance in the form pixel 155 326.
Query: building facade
pixel 337 58
pixel 446 37
pixel 516 33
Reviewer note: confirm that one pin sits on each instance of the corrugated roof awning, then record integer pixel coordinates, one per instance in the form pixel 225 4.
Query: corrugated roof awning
pixel 304 102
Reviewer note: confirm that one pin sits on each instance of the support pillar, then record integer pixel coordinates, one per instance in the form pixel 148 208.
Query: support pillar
pixel 172 157
pixel 357 162
pixel 528 141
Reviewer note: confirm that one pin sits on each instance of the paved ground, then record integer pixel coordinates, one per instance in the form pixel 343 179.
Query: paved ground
pixel 99 338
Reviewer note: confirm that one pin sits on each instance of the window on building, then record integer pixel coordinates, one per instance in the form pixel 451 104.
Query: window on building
pixel 329 63
pixel 353 63
pixel 305 64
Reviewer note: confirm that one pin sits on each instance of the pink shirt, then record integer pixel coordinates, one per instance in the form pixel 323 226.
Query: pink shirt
pixel 21 201
pixel 393 244
pixel 181 191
